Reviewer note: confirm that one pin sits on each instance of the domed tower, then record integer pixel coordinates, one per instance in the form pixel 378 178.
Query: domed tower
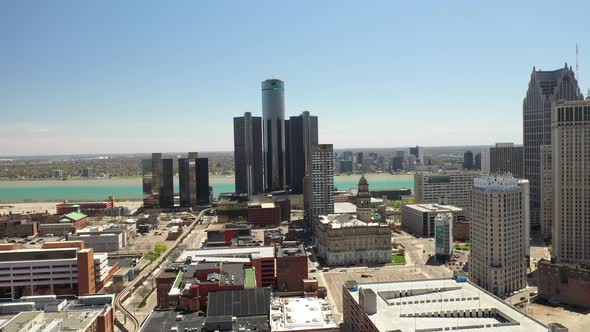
pixel 363 201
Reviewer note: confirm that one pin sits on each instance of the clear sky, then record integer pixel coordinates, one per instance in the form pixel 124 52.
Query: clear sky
pixel 124 76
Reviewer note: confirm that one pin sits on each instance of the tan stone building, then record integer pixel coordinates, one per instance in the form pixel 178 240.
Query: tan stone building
pixel 499 234
pixel 570 143
pixel 342 239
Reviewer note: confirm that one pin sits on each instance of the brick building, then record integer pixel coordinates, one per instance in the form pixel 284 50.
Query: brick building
pixel 291 266
pixel 564 284
pixel 264 214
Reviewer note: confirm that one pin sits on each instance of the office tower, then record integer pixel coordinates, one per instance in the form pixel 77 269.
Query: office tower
pixel 499 234
pixel 507 158
pixel 418 153
pixel 273 124
pixel 477 162
pixel 485 160
pixel 346 166
pixel 397 163
pixel 304 134
pixel 359 164
pixel 288 153
pixel 319 183
pixel 545 88
pixel 187 181
pixel 167 188
pixel 347 155
pixel 468 160
pixel 570 143
pixel 203 189
pixel 248 154
pixel 148 184
pixel 447 188
pixel 157 174
pixel 546 217
pixel 443 236
pixel 401 154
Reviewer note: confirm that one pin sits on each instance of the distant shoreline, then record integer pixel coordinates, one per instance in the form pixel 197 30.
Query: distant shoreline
pixel 130 188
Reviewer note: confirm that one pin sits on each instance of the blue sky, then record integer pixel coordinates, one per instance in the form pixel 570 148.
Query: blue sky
pixel 113 76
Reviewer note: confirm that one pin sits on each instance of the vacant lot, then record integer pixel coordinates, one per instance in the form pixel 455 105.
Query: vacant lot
pixel 575 321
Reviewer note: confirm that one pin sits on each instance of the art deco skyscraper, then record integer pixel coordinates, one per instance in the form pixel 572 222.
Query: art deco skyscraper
pixel 545 88
pixel 570 140
pixel 248 154
pixel 499 234
pixel 303 135
pixel 273 124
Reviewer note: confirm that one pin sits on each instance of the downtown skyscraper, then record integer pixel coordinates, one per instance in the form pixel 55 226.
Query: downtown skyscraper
pixel 545 88
pixel 248 154
pixel 303 135
pixel 318 198
pixel 570 149
pixel 273 141
pixel 499 233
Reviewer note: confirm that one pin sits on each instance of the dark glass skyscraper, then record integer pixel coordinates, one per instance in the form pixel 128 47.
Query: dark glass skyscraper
pixel 273 122
pixel 468 160
pixel 187 180
pixel 167 188
pixel 303 135
pixel 203 189
pixel 148 184
pixel 545 88
pixel 248 154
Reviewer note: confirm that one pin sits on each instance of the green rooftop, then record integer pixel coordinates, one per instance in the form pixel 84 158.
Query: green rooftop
pixel 250 278
pixel 75 216
pixel 179 279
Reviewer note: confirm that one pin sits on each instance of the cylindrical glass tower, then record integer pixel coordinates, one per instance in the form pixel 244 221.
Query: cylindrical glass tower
pixel 273 122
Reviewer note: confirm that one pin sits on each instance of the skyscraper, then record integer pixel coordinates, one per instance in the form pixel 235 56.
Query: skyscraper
pixel 447 188
pixel 499 234
pixel 545 88
pixel 571 182
pixel 319 183
pixel 157 176
pixel 303 135
pixel 477 161
pixel 507 158
pixel 248 154
pixel 187 180
pixel 167 188
pixel 418 153
pixel 203 189
pixel 468 160
pixel 273 123
pixel 546 193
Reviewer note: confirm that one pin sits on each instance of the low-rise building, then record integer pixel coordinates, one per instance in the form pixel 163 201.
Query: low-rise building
pixel 564 284
pixel 291 267
pixel 301 314
pixel 18 228
pixel 342 239
pixel 92 313
pixel 106 238
pixel 238 310
pixel 430 305
pixel 418 219
pixel 264 214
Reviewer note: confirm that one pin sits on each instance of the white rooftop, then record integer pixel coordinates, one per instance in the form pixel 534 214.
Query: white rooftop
pixel 344 207
pixel 235 252
pixel 495 182
pixel 344 220
pixel 410 306
pixel 437 208
pixel 301 313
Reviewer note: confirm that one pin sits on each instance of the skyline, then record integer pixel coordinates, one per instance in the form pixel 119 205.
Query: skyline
pixel 90 80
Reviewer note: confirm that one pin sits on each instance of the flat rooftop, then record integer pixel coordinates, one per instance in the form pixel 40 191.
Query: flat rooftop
pixel 436 208
pixel 344 207
pixel 234 252
pixel 301 313
pixel 443 304
pixel 159 321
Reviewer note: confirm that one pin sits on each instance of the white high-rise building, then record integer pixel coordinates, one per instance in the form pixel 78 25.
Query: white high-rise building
pixel 499 233
pixel 570 142
pixel 446 188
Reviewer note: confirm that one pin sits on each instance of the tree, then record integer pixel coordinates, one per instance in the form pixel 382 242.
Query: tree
pixel 160 248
